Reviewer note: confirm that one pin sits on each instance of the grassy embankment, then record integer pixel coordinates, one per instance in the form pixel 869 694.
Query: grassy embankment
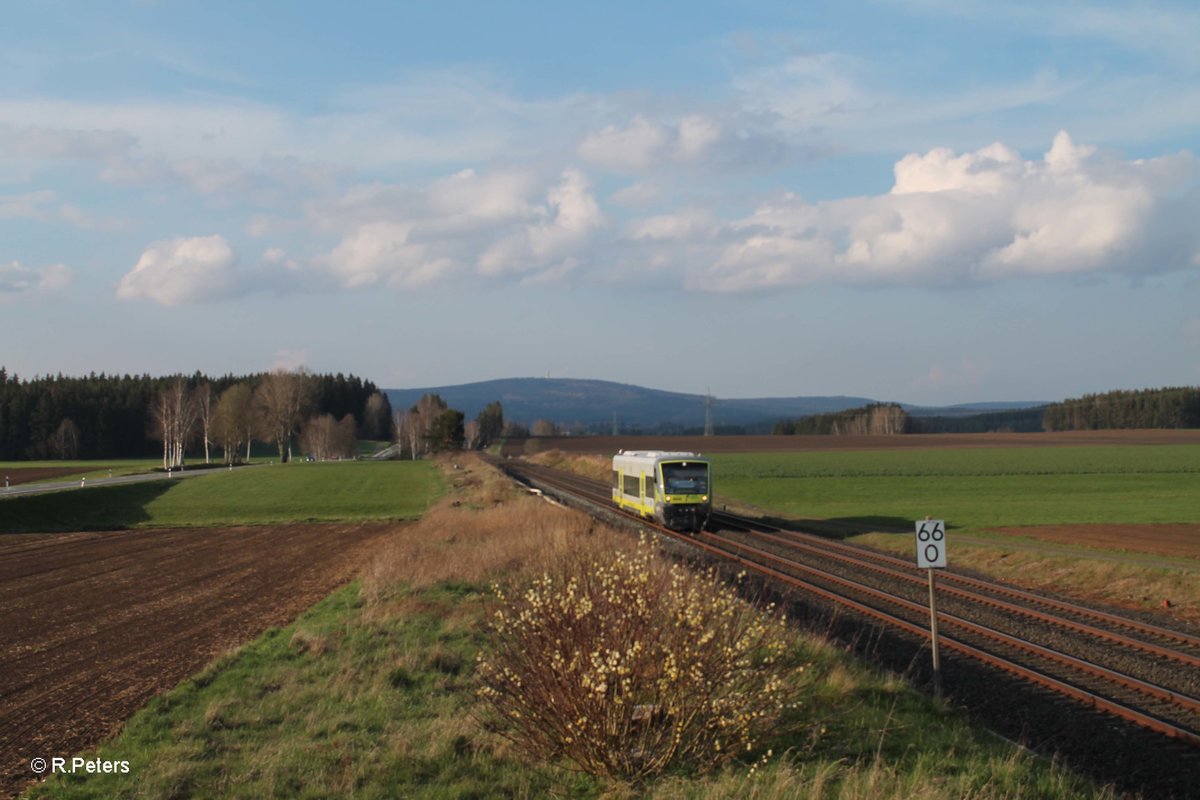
pixel 296 492
pixel 873 497
pixel 371 694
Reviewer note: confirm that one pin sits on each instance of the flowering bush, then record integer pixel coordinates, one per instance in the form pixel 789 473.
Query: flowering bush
pixel 627 665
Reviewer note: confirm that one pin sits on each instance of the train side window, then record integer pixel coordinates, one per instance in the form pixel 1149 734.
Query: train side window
pixel 650 485
pixel 631 485
pixel 616 479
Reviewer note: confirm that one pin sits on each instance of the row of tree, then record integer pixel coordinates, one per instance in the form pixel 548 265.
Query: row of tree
pixel 1022 420
pixel 431 426
pixel 1171 407
pixel 876 419
pixel 103 416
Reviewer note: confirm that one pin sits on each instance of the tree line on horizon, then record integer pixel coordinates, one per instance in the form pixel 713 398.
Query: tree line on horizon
pixel 128 416
pixel 1169 407
pixel 876 419
pixel 430 426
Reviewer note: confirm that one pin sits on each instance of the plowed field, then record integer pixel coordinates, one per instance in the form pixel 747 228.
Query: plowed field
pixel 30 474
pixel 792 444
pixel 1177 540
pixel 94 624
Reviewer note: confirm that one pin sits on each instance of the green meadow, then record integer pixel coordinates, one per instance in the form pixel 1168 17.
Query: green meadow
pixel 280 493
pixel 972 489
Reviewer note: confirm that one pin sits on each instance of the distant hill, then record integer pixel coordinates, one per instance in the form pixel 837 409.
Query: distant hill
pixel 591 405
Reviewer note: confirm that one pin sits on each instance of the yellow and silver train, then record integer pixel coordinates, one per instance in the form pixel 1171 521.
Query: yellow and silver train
pixel 673 488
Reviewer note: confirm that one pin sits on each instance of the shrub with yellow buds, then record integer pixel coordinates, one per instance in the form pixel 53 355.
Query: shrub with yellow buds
pixel 625 664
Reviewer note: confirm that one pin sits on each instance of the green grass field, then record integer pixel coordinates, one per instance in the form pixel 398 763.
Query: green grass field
pixel 297 492
pixel 972 489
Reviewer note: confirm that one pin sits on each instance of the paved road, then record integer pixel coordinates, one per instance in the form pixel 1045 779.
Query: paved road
pixel 58 486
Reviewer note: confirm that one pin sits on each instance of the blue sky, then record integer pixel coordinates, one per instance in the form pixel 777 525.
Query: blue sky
pixel 927 201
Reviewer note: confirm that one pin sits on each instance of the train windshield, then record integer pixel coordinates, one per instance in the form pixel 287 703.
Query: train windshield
pixel 689 478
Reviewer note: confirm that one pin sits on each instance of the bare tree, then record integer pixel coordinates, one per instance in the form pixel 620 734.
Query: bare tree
pixel 376 417
pixel 160 424
pixel 317 437
pixel 325 438
pixel 346 436
pixel 173 418
pixel 283 399
pixel 233 421
pixel 544 427
pixel 202 397
pixel 470 434
pixel 64 443
pixel 413 433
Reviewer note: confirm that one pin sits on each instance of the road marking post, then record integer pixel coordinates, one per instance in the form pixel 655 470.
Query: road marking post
pixel 931 555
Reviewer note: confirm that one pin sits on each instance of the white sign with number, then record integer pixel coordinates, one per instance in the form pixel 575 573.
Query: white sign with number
pixel 931 544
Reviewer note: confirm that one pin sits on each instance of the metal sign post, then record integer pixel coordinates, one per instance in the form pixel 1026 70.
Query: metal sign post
pixel 931 555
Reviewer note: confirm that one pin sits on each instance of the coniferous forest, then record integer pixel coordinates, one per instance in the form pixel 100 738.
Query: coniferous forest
pixel 111 416
pixel 1172 407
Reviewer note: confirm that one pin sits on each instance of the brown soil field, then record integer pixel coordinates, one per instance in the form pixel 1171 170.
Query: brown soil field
pixel 30 474
pixel 92 625
pixel 792 444
pixel 1175 539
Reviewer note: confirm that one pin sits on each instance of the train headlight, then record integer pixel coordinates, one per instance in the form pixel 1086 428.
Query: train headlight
pixel 704 498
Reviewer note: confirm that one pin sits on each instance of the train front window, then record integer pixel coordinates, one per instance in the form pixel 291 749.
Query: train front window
pixel 689 479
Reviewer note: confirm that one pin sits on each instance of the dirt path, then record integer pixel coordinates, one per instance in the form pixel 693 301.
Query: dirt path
pixel 92 625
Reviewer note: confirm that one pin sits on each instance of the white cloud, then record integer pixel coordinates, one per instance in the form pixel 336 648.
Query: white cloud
pixel 466 198
pixel 958 218
pixel 45 206
pixel 180 271
pixel 695 136
pixel 688 224
pixel 381 252
pixel 635 147
pixel 29 205
pixel 33 142
pixel 696 140
pixel 18 279
pixel 642 193
pixel 489 223
pixel 833 101
pixel 562 228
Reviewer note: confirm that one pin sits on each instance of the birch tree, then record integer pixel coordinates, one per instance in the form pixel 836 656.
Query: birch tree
pixel 284 399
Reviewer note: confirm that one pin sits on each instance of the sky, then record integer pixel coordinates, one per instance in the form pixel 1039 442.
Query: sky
pixel 928 201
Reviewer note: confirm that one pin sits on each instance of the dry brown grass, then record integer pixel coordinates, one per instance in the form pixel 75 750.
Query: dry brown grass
pixel 590 465
pixel 485 528
pixel 1092 579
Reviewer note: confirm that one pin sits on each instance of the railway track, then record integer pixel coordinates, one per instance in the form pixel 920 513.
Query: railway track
pixel 1138 672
